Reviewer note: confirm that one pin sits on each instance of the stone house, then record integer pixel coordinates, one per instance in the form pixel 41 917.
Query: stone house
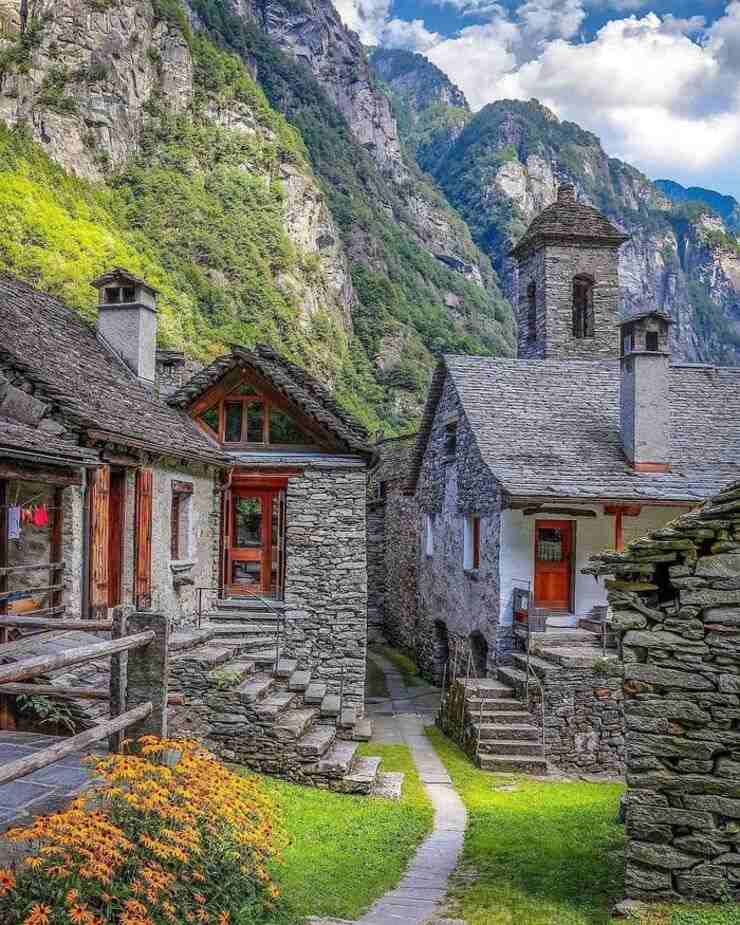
pixel 232 498
pixel 142 526
pixel 525 468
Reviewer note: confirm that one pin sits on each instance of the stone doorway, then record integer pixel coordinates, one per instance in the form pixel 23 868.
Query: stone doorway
pixel 479 654
pixel 441 652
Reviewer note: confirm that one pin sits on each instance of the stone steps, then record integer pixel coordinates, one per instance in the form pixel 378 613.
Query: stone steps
pixel 540 666
pixel 187 639
pixel 315 692
pixel 232 673
pixel 330 706
pixel 275 704
pixel 491 707
pixel 388 785
pixel 363 731
pixel 573 656
pixel 299 681
pixel 509 748
pixel 207 656
pixel 347 718
pixel 508 731
pixel 486 689
pixel 361 778
pixel 255 689
pixel 285 667
pixel 292 724
pixel 516 764
pixel 317 741
pixel 338 760
pixel 564 637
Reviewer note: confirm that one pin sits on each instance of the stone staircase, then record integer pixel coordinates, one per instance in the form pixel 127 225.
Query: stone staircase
pixel 497 728
pixel 265 712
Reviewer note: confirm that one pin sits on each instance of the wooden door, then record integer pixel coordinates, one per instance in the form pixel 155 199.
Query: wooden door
pixel 251 541
pixel 116 529
pixel 143 539
pixel 553 564
pixel 99 541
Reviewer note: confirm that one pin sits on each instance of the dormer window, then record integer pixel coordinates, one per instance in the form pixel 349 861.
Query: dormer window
pixel 120 295
pixel 583 307
pixel 651 341
pixel 451 440
pixel 245 418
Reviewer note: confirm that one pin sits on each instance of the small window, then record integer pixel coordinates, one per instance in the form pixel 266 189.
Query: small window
pixel 532 311
pixel 651 341
pixel 429 535
pixel 627 342
pixel 113 295
pixel 583 307
pixel 128 294
pixel 233 422
pixel 182 494
pixel 451 440
pixel 471 544
pixel 283 429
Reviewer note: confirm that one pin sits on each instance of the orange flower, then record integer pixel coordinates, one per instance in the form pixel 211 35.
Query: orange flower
pixel 7 881
pixel 39 915
pixel 79 915
pixel 224 918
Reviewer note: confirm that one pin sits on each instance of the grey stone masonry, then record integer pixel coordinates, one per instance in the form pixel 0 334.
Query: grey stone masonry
pixel 326 578
pixel 680 636
pixel 147 676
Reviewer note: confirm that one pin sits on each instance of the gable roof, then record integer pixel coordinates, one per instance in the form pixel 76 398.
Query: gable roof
pixel 60 353
pixel 16 437
pixel 568 218
pixel 550 428
pixel 294 383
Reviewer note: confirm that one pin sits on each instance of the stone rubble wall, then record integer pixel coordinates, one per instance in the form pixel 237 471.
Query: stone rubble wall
pixel 326 577
pixel 675 603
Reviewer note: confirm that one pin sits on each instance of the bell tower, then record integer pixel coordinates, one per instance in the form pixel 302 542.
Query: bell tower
pixel 568 302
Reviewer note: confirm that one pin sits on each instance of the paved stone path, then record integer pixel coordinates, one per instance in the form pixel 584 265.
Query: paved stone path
pixel 419 895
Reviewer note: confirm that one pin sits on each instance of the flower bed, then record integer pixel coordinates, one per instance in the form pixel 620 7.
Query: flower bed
pixel 169 836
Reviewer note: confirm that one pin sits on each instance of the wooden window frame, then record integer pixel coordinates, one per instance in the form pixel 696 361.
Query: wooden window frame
pixel 584 321
pixel 532 312
pixel 243 443
pixel 450 446
pixel 471 543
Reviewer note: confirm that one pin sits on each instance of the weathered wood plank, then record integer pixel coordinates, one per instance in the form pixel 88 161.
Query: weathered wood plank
pixel 41 664
pixel 28 592
pixel 99 534
pixel 26 619
pixel 72 693
pixel 51 566
pixel 46 756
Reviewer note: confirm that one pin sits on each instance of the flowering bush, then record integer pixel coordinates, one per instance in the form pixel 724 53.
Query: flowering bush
pixel 170 836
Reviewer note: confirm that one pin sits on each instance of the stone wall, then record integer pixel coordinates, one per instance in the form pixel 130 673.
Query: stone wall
pixel 676 606
pixel 376 577
pixel 453 600
pixel 326 576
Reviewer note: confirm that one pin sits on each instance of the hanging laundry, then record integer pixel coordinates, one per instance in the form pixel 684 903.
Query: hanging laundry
pixel 27 516
pixel 41 516
pixel 14 523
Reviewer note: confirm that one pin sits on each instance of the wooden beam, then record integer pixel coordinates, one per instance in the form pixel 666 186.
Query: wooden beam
pixel 56 547
pixel 42 664
pixel 11 470
pixel 51 566
pixel 72 693
pixel 46 756
pixel 8 596
pixel 28 620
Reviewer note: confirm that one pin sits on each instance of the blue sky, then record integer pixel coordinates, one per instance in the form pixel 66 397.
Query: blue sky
pixel 659 82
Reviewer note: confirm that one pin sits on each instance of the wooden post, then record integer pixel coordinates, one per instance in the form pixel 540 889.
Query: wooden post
pixel 7 719
pixel 118 670
pixel 147 678
pixel 56 549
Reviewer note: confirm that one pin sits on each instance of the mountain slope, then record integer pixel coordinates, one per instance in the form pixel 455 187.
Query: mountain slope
pixel 504 167
pixel 727 207
pixel 162 152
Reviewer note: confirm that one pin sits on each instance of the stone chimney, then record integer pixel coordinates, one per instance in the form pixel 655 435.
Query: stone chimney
pixel 566 193
pixel 127 320
pixel 645 412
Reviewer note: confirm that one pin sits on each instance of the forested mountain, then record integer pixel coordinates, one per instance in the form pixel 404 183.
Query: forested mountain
pixel 502 165
pixel 727 207
pixel 243 159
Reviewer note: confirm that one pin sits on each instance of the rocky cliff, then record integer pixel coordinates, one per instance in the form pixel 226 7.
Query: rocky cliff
pixel 502 166
pixel 318 237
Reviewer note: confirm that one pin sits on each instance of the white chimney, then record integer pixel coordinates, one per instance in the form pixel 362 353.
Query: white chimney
pixel 645 410
pixel 127 320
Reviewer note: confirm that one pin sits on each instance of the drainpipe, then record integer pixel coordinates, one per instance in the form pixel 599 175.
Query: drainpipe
pixel 85 596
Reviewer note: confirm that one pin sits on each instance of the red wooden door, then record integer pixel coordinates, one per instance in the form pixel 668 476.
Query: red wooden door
pixel 553 564
pixel 116 525
pixel 251 541
pixel 143 539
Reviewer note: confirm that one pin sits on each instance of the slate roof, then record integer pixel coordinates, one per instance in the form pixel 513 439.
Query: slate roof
pixel 568 218
pixel 15 436
pixel 395 455
pixel 59 352
pixel 298 386
pixel 550 428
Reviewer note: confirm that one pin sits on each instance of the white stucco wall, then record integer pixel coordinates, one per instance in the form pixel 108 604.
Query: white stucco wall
pixel 592 534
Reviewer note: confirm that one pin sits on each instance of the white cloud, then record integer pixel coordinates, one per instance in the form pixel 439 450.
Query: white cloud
pixel 414 36
pixel 365 17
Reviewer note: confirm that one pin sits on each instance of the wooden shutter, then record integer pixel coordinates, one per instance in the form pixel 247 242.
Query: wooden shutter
pixel 99 540
pixel 143 561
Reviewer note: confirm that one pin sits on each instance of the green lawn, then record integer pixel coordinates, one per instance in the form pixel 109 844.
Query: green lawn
pixel 408 668
pixel 346 851
pixel 541 853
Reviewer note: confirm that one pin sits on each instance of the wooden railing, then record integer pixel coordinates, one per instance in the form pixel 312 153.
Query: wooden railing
pixel 138 687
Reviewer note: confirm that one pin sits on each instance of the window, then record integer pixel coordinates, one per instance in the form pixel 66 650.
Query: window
pixel 429 536
pixel 117 295
pixel 244 417
pixel 627 342
pixel 651 341
pixel 451 440
pixel 583 307
pixel 182 496
pixel 471 544
pixel 532 311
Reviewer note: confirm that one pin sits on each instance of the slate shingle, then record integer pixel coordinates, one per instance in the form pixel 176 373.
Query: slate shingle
pixel 550 428
pixel 60 353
